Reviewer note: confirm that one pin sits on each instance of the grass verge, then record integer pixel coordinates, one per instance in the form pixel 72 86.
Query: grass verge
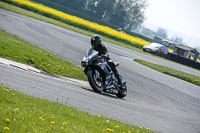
pixel 13 48
pixel 27 13
pixel 22 113
pixel 175 73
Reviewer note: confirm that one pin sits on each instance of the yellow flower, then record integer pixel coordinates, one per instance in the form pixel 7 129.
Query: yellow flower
pixel 53 122
pixel 141 127
pixel 148 128
pixel 108 129
pixel 129 131
pixel 17 109
pixel 6 90
pixel 64 123
pixel 117 126
pixel 13 94
pixel 99 116
pixel 8 120
pixel 6 128
pixel 40 118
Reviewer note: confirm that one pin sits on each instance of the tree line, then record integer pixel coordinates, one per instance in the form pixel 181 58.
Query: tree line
pixel 126 14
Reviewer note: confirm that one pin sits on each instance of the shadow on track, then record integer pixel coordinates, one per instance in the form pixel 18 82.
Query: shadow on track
pixel 103 94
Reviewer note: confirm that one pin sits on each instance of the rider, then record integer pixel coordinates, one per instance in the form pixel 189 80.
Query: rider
pixel 97 45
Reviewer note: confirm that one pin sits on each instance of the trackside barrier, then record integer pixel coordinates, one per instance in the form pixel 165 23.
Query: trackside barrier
pixel 183 60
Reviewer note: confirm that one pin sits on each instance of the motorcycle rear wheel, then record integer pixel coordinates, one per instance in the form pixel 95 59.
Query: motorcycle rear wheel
pixel 96 85
pixel 122 92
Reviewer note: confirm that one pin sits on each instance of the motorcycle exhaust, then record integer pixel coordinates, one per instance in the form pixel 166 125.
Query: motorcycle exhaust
pixel 110 89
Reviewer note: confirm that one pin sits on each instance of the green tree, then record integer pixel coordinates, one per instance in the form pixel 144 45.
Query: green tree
pixel 177 39
pixel 162 33
pixel 118 15
pixel 124 13
pixel 134 12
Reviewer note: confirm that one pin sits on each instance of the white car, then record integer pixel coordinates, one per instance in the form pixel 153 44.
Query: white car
pixel 157 49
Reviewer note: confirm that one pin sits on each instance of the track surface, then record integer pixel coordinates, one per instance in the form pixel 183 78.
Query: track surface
pixel 160 102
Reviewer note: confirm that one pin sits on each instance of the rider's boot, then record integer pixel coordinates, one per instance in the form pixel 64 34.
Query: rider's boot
pixel 119 79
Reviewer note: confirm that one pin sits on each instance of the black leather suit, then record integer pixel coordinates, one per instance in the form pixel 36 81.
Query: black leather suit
pixel 102 50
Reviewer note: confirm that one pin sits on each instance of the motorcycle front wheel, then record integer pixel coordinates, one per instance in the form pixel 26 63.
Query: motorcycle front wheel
pixel 95 80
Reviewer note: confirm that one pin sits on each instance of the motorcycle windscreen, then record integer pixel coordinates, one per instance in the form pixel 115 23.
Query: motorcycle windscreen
pixel 90 52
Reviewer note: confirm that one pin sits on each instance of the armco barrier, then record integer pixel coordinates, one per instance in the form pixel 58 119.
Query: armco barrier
pixel 184 61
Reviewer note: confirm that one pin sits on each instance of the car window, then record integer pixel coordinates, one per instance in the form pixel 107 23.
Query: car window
pixel 162 48
pixel 166 49
pixel 165 43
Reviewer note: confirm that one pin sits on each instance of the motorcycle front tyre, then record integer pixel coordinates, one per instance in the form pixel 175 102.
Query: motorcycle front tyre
pixel 93 83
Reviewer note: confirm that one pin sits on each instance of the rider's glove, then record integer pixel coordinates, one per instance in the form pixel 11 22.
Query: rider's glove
pixel 103 56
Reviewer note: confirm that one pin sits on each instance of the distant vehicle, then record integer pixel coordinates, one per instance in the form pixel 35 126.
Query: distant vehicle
pixel 168 44
pixel 156 49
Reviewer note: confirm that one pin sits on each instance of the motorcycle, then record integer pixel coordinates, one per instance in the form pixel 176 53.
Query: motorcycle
pixel 100 75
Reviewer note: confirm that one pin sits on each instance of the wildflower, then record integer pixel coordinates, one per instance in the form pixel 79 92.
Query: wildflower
pixel 8 120
pixel 99 116
pixel 53 122
pixel 129 131
pixel 141 127
pixel 117 126
pixel 40 118
pixel 64 123
pixel 6 90
pixel 107 121
pixel 6 128
pixel 13 94
pixel 17 109
pixel 108 129
pixel 148 128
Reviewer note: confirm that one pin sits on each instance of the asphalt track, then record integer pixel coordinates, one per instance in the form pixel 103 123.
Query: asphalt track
pixel 157 101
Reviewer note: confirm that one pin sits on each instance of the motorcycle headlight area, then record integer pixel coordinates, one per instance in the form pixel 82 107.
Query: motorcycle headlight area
pixel 83 63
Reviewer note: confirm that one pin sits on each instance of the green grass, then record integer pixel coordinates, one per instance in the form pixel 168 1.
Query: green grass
pixel 22 114
pixel 181 75
pixel 24 12
pixel 13 48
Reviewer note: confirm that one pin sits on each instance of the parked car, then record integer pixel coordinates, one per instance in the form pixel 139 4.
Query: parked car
pixel 156 49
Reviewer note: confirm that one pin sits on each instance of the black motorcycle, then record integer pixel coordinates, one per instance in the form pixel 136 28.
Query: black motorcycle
pixel 100 75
